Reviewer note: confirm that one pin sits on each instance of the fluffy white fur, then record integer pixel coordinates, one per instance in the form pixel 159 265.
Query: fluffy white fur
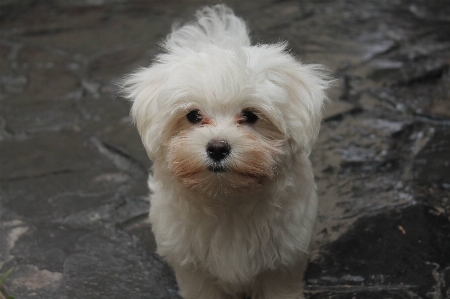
pixel 244 231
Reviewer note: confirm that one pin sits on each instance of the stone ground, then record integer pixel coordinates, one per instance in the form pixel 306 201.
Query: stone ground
pixel 73 212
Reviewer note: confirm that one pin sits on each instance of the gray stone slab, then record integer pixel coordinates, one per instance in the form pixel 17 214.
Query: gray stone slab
pixel 402 257
pixel 40 116
pixel 336 108
pixel 112 263
pixel 115 266
pixel 73 191
pixel 48 153
pixel 432 163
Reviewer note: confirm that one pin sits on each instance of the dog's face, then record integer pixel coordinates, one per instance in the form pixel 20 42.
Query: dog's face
pixel 225 121
pixel 224 148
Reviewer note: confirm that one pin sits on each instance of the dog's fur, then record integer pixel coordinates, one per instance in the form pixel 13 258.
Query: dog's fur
pixel 241 226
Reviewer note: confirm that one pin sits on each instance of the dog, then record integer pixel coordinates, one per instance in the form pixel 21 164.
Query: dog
pixel 229 127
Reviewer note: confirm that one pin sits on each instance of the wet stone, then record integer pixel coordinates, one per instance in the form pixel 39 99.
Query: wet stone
pixel 125 213
pixel 39 81
pixel 73 170
pixel 336 108
pixel 52 153
pixel 87 3
pixel 28 281
pixel 40 116
pixel 124 137
pixel 348 292
pixel 103 113
pixel 70 193
pixel 67 173
pixel 116 266
pixel 4 63
pixel 54 243
pixel 432 163
pixel 422 70
pixel 141 229
pixel 109 34
pixel 113 64
pixel 410 241
pixel 13 84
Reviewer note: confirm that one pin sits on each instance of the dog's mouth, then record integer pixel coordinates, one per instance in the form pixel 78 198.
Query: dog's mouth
pixel 217 167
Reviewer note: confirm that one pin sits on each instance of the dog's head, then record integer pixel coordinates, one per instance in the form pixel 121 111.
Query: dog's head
pixel 226 120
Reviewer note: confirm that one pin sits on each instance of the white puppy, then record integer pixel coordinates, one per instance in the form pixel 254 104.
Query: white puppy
pixel 229 127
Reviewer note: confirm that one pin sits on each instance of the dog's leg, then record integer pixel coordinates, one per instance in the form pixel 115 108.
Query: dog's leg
pixel 280 284
pixel 196 284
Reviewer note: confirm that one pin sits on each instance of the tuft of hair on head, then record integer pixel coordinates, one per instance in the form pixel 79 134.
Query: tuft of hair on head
pixel 216 25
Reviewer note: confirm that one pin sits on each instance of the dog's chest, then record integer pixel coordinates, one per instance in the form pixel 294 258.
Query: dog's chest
pixel 236 249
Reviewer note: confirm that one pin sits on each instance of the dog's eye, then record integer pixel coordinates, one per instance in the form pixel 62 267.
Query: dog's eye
pixel 194 116
pixel 249 117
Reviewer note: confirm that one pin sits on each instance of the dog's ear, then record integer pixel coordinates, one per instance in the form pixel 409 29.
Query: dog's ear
pixel 143 87
pixel 305 88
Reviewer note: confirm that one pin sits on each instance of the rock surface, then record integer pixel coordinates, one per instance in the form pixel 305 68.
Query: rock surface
pixel 73 208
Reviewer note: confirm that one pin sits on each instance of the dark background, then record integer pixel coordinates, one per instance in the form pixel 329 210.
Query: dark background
pixel 73 213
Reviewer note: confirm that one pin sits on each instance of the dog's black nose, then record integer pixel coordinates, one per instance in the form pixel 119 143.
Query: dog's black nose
pixel 218 149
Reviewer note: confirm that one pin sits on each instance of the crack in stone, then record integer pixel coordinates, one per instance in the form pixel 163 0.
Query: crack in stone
pixel 46 30
pixel 433 120
pixel 439 277
pixel 41 175
pixel 132 220
pixel 351 289
pixel 429 75
pixel 122 160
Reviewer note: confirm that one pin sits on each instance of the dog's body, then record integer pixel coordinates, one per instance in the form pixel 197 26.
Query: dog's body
pixel 229 127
